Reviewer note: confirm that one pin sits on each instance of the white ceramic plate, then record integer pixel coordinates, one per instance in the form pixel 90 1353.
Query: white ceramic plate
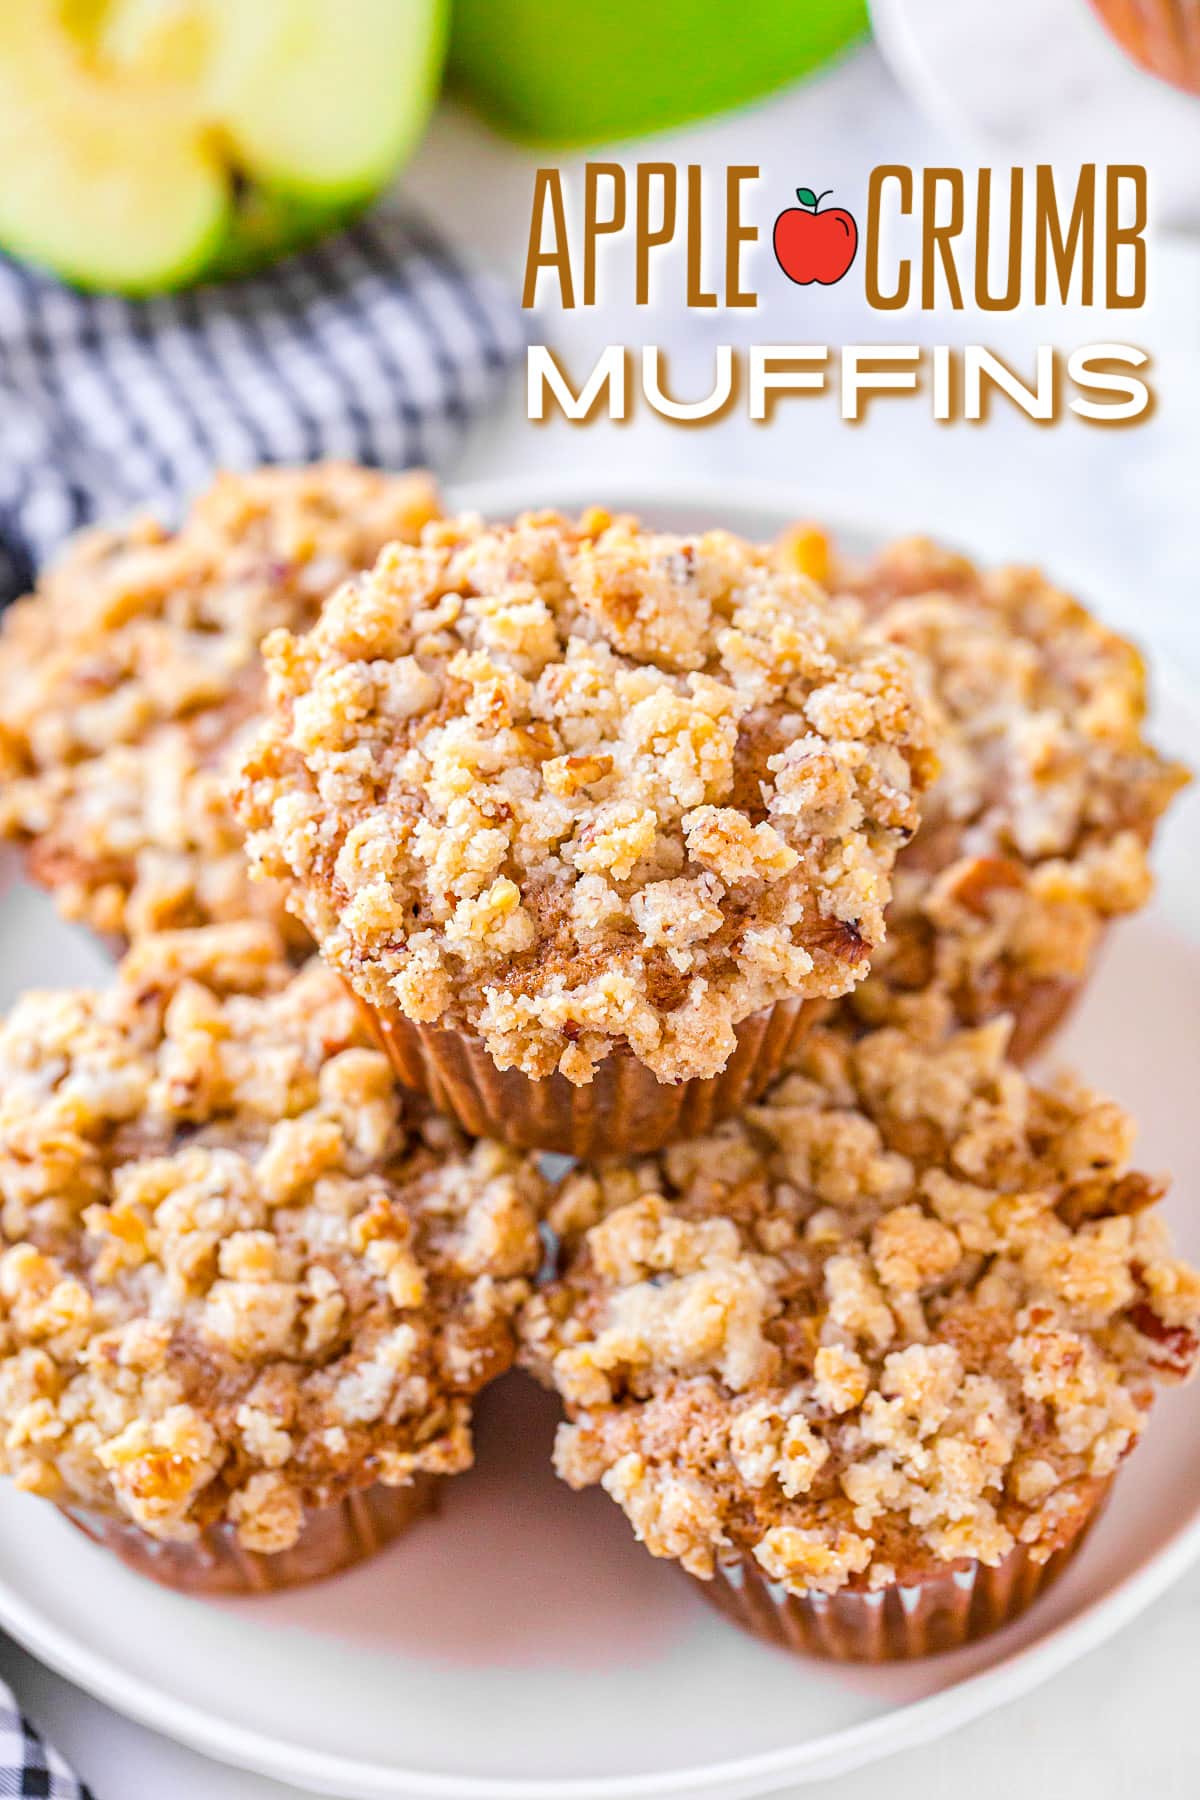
pixel 522 1646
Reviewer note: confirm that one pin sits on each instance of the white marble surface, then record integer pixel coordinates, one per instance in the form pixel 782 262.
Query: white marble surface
pixel 1114 512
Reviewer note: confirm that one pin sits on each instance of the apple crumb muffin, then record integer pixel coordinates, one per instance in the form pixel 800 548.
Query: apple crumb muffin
pixel 574 787
pixel 241 1278
pixel 129 679
pixel 910 1312
pixel 1037 833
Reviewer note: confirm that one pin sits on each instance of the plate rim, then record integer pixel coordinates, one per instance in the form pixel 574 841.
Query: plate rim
pixel 853 1746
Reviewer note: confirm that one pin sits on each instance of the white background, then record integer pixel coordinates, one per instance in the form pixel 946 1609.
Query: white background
pixel 1116 513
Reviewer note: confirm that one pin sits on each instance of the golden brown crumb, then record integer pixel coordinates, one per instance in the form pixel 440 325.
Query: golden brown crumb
pixel 573 785
pixel 902 1313
pixel 128 681
pixel 238 1276
pixel 1037 832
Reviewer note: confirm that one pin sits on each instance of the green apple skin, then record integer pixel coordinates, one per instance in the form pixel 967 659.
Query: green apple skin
pixel 590 73
pixel 267 224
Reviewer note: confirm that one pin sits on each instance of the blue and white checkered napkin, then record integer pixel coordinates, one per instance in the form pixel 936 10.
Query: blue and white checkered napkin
pixel 28 1766
pixel 376 346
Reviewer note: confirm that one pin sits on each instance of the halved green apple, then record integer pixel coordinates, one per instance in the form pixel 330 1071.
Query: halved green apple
pixel 149 143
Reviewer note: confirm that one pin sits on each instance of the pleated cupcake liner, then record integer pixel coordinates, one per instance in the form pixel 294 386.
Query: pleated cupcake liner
pixel 1042 1012
pixel 945 1609
pixel 624 1110
pixel 332 1538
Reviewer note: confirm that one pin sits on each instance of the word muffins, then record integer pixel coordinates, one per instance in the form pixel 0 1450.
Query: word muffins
pixel 587 816
pixel 247 1292
pixel 866 1361
pixel 129 678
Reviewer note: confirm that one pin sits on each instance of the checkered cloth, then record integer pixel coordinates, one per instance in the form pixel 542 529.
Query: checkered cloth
pixel 376 345
pixel 28 1767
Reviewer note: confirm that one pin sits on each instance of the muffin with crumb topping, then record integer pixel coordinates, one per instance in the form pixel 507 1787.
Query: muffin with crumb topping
pixel 247 1292
pixel 1037 834
pixel 588 816
pixel 866 1361
pixel 129 679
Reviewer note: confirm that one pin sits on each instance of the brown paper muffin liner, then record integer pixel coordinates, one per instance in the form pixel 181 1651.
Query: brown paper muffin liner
pixel 332 1538
pixel 1162 35
pixel 622 1111
pixel 1041 1014
pixel 945 1609
pixel 1040 1009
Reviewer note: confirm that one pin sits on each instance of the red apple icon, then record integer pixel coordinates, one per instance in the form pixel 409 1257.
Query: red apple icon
pixel 811 245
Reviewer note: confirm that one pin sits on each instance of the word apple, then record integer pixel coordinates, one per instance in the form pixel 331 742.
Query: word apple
pixel 811 245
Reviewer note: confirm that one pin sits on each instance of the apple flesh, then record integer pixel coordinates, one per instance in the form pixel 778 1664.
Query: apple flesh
pixel 150 143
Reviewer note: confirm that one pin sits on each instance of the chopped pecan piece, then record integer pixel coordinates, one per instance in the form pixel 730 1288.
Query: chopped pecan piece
pixel 1178 1347
pixel 972 882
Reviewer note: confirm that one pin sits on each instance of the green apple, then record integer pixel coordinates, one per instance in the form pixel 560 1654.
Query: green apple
pixel 594 71
pixel 149 143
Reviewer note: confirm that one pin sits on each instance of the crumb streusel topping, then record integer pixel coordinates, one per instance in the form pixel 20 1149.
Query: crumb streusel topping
pixel 129 679
pixel 239 1276
pixel 911 1309
pixel 578 785
pixel 1038 831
